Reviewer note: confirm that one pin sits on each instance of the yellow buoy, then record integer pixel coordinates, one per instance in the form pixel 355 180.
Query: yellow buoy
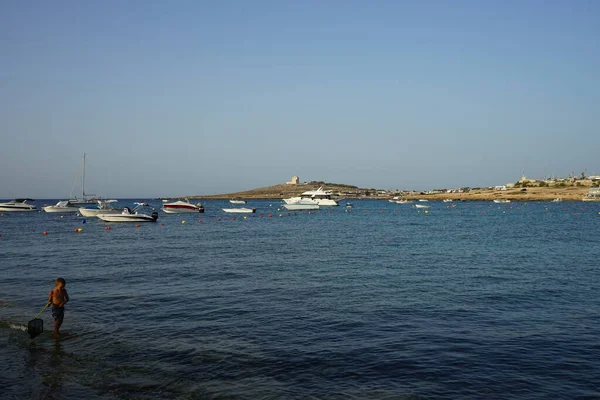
pixel 183 222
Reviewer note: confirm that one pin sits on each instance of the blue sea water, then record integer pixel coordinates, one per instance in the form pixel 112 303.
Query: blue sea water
pixel 470 300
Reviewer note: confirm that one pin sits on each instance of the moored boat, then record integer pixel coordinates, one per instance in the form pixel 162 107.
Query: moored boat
pixel 18 205
pixel 128 215
pixel 318 197
pixel 103 207
pixel 237 201
pixel 63 206
pixel 181 207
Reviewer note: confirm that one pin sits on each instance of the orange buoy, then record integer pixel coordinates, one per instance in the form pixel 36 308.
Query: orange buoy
pixel 233 218
pixel 45 233
pixel 162 224
pixel 107 228
pixel 200 221
pixel 218 219
pixel 137 225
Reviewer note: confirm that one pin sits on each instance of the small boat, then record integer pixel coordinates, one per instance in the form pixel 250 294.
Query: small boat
pixel 447 200
pixel 237 201
pixel 128 215
pixel 501 201
pixel 240 210
pixel 348 204
pixel 300 207
pixel 63 206
pixel 557 200
pixel 421 206
pixel 103 207
pixel 180 207
pixel 18 205
pixel 423 200
pixel 403 201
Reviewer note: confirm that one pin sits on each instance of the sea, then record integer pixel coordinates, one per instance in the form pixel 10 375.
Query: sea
pixel 463 300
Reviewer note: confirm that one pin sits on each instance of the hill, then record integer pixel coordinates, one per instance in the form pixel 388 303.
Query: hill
pixel 286 190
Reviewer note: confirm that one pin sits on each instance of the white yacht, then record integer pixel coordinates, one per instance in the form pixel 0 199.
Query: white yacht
pixel 593 195
pixel 103 207
pixel 18 205
pixel 128 215
pixel 501 201
pixel 237 201
pixel 318 197
pixel 63 206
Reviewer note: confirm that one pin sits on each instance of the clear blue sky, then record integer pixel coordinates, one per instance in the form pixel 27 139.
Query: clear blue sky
pixel 172 98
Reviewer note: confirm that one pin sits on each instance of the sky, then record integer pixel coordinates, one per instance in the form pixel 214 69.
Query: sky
pixel 176 98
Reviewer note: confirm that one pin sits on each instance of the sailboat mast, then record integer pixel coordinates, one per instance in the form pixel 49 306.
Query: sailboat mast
pixel 83 180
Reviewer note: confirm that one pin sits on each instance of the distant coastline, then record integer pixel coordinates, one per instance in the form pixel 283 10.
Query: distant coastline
pixel 535 193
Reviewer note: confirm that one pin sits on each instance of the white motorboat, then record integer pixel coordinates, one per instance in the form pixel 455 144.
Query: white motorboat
pixel 403 201
pixel 593 195
pixel 318 197
pixel 240 210
pixel 103 207
pixel 447 200
pixel 128 215
pixel 557 200
pixel 63 206
pixel 501 201
pixel 236 201
pixel 300 207
pixel 423 200
pixel 18 205
pixel 421 206
pixel 181 207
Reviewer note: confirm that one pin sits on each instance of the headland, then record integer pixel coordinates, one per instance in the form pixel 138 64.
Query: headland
pixel 564 192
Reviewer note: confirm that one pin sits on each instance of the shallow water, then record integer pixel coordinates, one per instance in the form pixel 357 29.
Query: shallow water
pixel 468 300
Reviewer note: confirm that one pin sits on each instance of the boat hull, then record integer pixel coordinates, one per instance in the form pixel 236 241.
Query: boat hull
pixel 240 210
pixel 181 210
pixel 91 213
pixel 54 209
pixel 301 207
pixel 16 208
pixel 126 218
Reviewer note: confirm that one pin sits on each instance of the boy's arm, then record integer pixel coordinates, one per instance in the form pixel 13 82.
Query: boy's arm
pixel 64 298
pixel 50 297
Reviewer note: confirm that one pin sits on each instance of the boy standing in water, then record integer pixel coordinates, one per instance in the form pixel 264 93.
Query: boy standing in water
pixel 58 297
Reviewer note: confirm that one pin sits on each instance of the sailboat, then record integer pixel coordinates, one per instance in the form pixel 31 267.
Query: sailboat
pixel 85 199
